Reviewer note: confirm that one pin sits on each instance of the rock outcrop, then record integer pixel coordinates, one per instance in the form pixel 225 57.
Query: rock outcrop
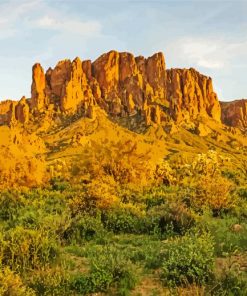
pixel 190 94
pixel 235 113
pixel 124 85
pixel 67 86
pixel 125 81
pixel 18 112
pixel 121 84
pixel 4 109
pixel 39 100
pixel 22 111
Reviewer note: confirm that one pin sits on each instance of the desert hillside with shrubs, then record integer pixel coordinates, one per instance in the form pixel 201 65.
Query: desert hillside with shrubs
pixel 122 177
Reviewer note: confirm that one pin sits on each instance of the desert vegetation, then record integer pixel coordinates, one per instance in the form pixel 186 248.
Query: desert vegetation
pixel 181 230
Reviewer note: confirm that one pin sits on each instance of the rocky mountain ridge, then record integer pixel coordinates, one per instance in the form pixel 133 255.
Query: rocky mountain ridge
pixel 116 102
pixel 122 85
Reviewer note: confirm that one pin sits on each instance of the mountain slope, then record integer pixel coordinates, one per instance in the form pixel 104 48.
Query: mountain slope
pixel 128 111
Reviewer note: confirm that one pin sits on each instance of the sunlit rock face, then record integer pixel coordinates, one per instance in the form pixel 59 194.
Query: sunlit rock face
pixel 121 84
pixel 39 100
pixel 18 112
pixel 235 113
pixel 127 82
pixel 22 111
pixel 190 95
pixel 4 110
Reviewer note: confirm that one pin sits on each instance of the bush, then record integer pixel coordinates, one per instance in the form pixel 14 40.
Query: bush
pixel 121 221
pixel 124 161
pixel 188 260
pixel 242 192
pixel 84 228
pixel 214 193
pixel 25 249
pixel 11 284
pixel 10 204
pixel 231 284
pixel 165 219
pixel 60 185
pixel 231 175
pixel 175 217
pixel 108 268
pixel 49 281
pixel 226 239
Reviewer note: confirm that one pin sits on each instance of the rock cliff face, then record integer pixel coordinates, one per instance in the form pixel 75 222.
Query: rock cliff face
pixel 4 109
pixel 19 112
pixel 126 82
pixel 12 112
pixel 22 111
pixel 235 113
pixel 39 100
pixel 191 95
pixel 67 87
pixel 122 85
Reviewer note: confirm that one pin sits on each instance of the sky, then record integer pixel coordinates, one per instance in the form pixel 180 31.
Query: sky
pixel 210 36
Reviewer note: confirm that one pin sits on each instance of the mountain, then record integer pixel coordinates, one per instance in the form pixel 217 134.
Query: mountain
pixel 235 113
pixel 122 85
pixel 118 102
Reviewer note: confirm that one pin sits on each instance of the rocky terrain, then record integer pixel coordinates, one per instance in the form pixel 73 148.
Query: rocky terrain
pixel 121 92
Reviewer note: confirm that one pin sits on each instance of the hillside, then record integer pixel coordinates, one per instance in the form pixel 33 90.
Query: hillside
pixel 122 177
pixel 117 100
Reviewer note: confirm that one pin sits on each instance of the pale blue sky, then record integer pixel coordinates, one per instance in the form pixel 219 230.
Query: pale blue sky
pixel 210 36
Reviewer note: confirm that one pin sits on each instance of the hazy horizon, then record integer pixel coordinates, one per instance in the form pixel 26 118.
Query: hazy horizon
pixel 210 36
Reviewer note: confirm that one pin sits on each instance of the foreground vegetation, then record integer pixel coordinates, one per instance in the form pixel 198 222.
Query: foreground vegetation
pixel 186 234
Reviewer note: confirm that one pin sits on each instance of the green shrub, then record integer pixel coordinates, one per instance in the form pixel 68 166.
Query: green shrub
pixel 108 268
pixel 171 216
pixel 10 204
pixel 226 239
pixel 84 228
pixel 49 281
pixel 121 221
pixel 242 192
pixel 60 185
pixel 231 175
pixel 95 282
pixel 28 218
pixel 25 249
pixel 188 259
pixel 165 219
pixel 231 283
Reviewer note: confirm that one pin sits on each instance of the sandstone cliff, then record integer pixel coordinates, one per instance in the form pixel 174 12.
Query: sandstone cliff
pixel 120 84
pixel 235 113
pixel 39 98
pixel 19 112
pixel 126 82
pixel 124 85
pixel 4 109
pixel 191 94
